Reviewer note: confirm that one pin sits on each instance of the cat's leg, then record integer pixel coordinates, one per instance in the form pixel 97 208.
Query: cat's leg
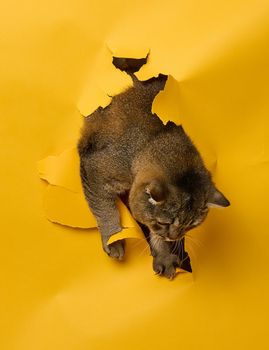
pixel 103 205
pixel 165 259
pixel 107 216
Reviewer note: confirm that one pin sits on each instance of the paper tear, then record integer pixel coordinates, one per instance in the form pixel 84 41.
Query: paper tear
pixel 103 80
pixel 167 104
pixel 61 170
pixel 69 208
pixel 118 50
pixel 64 200
pixel 130 232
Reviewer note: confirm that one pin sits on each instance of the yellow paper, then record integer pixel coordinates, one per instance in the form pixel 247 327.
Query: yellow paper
pixel 64 201
pixel 62 170
pixel 103 82
pixel 58 288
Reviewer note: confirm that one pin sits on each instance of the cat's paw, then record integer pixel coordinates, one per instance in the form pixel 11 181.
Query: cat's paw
pixel 165 265
pixel 115 250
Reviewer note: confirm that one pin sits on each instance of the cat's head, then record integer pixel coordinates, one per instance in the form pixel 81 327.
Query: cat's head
pixel 171 208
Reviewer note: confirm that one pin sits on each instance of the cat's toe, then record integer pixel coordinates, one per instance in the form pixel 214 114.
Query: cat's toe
pixel 158 268
pixel 116 250
pixel 166 266
pixel 170 272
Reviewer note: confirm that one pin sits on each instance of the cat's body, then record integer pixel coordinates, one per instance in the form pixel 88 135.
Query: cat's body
pixel 124 147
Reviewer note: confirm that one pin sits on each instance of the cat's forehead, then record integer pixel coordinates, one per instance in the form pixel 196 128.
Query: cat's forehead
pixel 192 182
pixel 184 205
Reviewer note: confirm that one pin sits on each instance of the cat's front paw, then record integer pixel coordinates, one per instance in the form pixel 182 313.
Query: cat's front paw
pixel 115 250
pixel 165 265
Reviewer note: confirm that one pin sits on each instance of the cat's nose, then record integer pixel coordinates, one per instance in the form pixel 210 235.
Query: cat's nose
pixel 173 235
pixel 177 234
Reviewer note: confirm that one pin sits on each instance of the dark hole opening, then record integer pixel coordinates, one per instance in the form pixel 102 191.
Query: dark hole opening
pixel 129 65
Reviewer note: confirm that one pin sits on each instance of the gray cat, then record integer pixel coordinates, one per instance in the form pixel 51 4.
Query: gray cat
pixel 125 148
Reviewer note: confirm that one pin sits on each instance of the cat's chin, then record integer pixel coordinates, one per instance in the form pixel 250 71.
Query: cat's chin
pixel 166 239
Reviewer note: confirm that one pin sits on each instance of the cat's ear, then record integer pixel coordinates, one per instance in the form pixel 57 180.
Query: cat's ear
pixel 157 192
pixel 217 199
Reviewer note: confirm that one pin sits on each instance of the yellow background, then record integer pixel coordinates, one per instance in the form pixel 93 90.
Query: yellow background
pixel 58 289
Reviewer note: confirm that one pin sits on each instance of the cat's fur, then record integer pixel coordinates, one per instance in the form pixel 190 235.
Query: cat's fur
pixel 124 147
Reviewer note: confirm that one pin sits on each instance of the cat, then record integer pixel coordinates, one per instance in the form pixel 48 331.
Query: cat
pixel 125 148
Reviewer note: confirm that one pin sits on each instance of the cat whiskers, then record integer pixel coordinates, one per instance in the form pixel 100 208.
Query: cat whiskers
pixel 139 242
pixel 154 241
pixel 176 247
pixel 196 244
pixel 144 250
pixel 192 254
pixel 179 249
pixel 181 254
pixel 195 240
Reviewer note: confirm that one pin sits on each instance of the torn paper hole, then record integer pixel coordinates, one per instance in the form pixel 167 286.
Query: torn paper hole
pixel 61 170
pixel 64 198
pixel 102 82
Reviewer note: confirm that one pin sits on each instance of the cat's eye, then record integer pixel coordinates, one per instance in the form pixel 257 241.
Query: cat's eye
pixel 195 222
pixel 163 223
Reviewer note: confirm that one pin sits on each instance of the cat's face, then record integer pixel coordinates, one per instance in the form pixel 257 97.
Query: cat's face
pixel 170 211
pixel 172 221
